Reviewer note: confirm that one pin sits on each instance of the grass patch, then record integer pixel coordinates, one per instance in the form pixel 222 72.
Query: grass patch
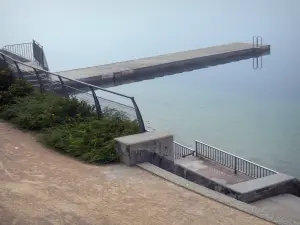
pixel 68 125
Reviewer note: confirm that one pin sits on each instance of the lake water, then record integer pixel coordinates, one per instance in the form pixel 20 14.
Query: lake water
pixel 252 113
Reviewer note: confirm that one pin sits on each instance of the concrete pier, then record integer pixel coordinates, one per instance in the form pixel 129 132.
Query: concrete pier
pixel 147 68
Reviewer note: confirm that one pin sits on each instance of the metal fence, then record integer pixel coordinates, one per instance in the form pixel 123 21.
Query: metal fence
pixel 51 82
pixel 231 161
pixel 32 51
pixel 181 151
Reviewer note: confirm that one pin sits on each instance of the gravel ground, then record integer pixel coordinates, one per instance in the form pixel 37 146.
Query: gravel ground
pixel 40 186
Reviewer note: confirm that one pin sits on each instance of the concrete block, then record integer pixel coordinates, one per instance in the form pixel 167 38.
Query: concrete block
pixel 151 146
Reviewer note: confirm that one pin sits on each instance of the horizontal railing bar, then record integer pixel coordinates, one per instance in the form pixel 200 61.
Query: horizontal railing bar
pixel 188 154
pixel 77 81
pixel 181 151
pixel 86 93
pixel 121 104
pixel 184 146
pixel 237 157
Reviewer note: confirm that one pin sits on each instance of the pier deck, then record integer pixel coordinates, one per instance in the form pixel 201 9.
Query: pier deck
pixel 163 63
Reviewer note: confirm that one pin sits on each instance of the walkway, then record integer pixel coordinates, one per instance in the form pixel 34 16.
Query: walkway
pixel 147 68
pixel 39 186
pixel 212 170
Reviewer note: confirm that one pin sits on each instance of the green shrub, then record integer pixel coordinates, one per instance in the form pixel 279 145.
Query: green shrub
pixel 38 111
pixel 5 98
pixel 20 88
pixel 68 125
pixel 111 112
pixel 92 140
pixel 6 78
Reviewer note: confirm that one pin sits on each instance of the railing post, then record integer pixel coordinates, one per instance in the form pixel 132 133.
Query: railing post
pixel 139 116
pixel 19 71
pixel 96 100
pixel 3 57
pixel 63 87
pixel 42 88
pixel 235 166
pixel 196 149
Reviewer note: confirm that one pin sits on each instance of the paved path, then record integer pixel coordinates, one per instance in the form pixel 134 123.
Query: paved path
pixel 39 186
pixel 286 204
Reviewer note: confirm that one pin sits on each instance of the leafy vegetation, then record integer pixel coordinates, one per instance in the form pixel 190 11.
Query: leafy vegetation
pixel 91 140
pixel 68 125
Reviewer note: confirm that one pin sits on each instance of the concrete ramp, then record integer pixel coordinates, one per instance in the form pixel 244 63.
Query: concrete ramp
pixel 286 205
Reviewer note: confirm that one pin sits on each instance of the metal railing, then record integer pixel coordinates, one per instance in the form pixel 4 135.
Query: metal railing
pixel 181 151
pixel 47 81
pixel 231 161
pixel 32 51
pixel 257 41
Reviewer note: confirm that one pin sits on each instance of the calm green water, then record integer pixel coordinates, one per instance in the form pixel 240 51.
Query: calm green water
pixel 251 113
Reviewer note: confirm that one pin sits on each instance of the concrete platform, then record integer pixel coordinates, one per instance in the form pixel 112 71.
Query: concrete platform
pixel 139 68
pixel 286 205
pixel 226 200
pixel 212 170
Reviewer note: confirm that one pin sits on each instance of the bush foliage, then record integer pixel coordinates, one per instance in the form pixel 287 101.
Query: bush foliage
pixel 19 88
pixel 91 140
pixel 39 111
pixel 68 125
pixel 6 78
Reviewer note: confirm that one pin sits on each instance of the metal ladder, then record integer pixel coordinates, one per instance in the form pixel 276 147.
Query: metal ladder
pixel 257 61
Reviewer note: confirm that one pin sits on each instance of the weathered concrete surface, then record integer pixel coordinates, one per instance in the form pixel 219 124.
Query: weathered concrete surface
pixel 212 170
pixel 137 148
pixel 286 204
pixel 265 187
pixel 39 186
pixel 142 67
pixel 260 183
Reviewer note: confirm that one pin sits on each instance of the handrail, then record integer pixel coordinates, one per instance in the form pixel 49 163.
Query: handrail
pixel 235 160
pixel 15 44
pixel 255 40
pixel 70 79
pixel 31 51
pixel 181 151
pixel 236 156
pixel 37 70
pixel 24 50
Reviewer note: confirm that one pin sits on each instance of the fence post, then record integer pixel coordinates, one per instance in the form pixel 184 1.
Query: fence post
pixel 96 100
pixel 196 149
pixel 139 116
pixel 39 80
pixel 63 87
pixel 19 71
pixel 235 166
